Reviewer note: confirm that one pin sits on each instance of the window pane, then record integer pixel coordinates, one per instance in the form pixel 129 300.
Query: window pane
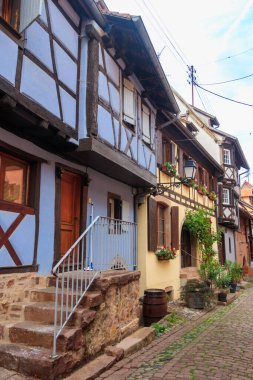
pixel 226 199
pixel 161 226
pixel 15 181
pixel 227 157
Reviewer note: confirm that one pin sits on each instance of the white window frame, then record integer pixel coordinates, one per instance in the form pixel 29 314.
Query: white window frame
pixel 146 124
pixel 227 157
pixel 226 196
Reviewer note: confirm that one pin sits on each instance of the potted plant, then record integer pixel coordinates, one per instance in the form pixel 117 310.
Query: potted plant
pixel 235 271
pixel 166 253
pixel 209 270
pixel 222 282
pixel 212 196
pixel 169 168
pixel 197 294
pixel 202 189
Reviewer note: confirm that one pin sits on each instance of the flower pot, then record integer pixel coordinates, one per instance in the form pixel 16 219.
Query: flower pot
pixel 222 296
pixel 163 258
pixel 233 287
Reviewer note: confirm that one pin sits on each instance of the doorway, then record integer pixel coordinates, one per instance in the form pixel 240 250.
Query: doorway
pixel 70 211
pixel 186 258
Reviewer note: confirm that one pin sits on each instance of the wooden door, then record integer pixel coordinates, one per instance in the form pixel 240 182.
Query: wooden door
pixel 186 259
pixel 70 209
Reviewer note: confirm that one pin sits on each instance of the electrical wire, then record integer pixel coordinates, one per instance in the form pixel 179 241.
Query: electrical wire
pixel 223 97
pixel 227 81
pixel 228 57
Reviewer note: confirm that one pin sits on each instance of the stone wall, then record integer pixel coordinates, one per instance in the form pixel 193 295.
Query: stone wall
pixel 119 313
pixel 13 287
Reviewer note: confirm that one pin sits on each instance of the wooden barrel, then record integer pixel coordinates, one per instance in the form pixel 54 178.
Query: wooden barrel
pixel 154 306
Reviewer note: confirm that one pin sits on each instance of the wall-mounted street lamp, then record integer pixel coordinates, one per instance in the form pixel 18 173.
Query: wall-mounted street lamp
pixel 190 169
pixel 189 174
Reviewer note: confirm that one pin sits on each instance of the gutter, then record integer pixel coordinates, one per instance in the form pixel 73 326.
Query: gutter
pixel 95 12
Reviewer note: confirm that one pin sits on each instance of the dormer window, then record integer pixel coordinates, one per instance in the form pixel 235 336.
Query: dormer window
pixel 227 157
pixel 9 11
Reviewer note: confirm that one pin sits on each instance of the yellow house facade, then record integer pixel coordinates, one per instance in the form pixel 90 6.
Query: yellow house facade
pixel 161 214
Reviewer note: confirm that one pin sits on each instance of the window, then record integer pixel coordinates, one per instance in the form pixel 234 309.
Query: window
pixel 146 127
pixel 201 175
pixel 226 197
pixel 114 206
pixel 161 225
pixel 229 245
pixel 168 151
pixel 9 11
pixel 129 103
pixel 226 157
pixel 14 179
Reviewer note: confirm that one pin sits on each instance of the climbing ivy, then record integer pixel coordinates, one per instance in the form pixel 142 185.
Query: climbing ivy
pixel 199 223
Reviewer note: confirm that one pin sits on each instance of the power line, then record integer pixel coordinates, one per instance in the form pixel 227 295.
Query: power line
pixel 165 32
pixel 225 58
pixel 224 97
pixel 227 81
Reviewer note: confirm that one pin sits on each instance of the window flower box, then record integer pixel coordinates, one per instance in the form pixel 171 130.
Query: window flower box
pixel 166 253
pixel 212 196
pixel 169 169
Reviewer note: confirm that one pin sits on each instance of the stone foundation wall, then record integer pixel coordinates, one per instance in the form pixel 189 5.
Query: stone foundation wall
pixel 119 313
pixel 13 286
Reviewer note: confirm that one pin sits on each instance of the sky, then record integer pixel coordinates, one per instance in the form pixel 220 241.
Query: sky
pixel 216 37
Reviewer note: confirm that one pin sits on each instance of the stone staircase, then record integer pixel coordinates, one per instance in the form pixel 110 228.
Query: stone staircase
pixel 188 273
pixel 26 333
pixel 108 312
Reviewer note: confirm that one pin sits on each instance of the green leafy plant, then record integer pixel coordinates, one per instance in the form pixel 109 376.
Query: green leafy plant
pixel 234 270
pixel 209 270
pixel 168 322
pixel 197 294
pixel 202 189
pixel 223 279
pixel 199 223
pixel 170 169
pixel 166 253
pixel 212 196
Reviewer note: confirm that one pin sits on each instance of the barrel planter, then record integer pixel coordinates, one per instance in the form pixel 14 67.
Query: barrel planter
pixel 154 306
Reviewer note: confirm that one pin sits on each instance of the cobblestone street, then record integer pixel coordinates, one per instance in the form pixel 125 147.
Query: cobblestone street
pixel 217 346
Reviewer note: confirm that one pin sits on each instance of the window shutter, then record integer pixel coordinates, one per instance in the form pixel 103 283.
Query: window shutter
pixel 152 225
pixel 175 227
pixel 215 185
pixel 159 148
pixel 180 162
pixel 29 11
pixel 146 124
pixel 172 153
pixel 129 102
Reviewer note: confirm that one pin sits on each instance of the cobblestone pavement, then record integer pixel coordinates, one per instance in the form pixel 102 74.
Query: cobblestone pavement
pixel 218 346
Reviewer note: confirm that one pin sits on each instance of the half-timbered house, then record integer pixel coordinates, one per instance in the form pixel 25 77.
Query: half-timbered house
pixel 80 93
pixel 232 159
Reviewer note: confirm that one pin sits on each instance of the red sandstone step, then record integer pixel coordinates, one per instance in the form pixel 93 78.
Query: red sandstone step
pixel 44 312
pixel 33 361
pixel 37 334
pixel 90 299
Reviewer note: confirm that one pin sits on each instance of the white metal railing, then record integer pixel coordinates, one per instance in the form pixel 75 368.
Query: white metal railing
pixel 107 244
